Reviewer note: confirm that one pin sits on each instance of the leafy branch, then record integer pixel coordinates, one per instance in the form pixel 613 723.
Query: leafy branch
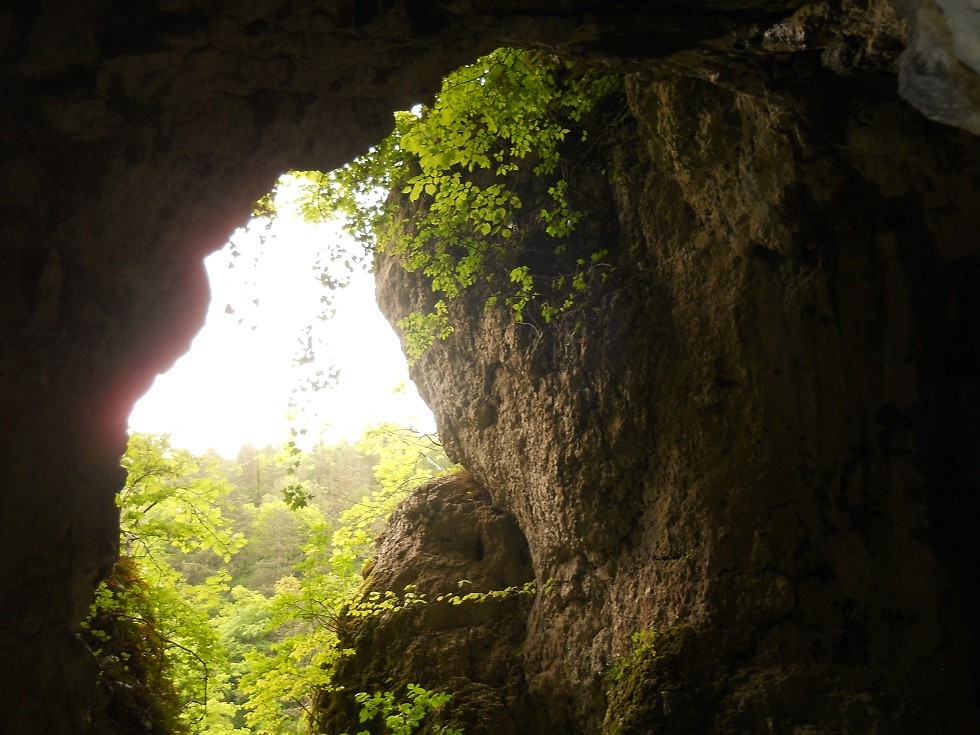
pixel 446 192
pixel 405 717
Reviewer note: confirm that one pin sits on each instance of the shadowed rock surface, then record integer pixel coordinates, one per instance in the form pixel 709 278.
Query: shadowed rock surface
pixel 765 436
pixel 734 449
pixel 448 539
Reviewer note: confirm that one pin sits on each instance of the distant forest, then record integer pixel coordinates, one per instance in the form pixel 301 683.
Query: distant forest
pixel 219 616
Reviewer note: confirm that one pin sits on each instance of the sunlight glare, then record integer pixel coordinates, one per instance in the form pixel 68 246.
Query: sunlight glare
pixel 233 388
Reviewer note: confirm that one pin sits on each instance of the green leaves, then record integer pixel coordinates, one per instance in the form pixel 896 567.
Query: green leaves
pixel 421 330
pixel 171 501
pixel 294 492
pixel 402 717
pixel 216 658
pixel 459 163
pixel 147 611
pixel 309 603
pixel 496 115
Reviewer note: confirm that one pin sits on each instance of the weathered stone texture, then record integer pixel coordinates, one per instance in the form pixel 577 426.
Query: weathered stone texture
pixel 135 136
pixel 448 532
pixel 735 448
pixel 939 71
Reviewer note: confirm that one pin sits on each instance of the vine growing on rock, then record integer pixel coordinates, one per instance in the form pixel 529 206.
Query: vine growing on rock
pixel 446 193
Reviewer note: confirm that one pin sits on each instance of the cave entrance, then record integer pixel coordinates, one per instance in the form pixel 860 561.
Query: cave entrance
pixel 294 344
pixel 243 571
pixel 259 471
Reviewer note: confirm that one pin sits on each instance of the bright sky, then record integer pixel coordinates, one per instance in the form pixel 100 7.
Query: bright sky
pixel 233 387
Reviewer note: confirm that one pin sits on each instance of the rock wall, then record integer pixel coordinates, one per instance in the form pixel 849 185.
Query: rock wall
pixel 135 136
pixel 448 532
pixel 755 452
pixel 938 69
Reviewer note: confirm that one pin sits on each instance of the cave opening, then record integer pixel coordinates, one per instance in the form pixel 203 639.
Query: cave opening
pixel 259 470
pixel 124 162
pixel 239 562
pixel 293 347
pixel 242 570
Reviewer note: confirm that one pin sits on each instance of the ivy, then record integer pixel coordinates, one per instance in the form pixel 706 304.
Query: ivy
pixel 374 603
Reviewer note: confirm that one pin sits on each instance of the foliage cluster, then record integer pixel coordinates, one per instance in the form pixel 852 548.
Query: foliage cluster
pixel 308 604
pixel 147 610
pixel 405 717
pixel 221 618
pixel 235 576
pixel 644 644
pixel 463 163
pixel 139 692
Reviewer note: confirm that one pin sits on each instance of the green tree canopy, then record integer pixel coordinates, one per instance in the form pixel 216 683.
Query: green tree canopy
pixel 149 627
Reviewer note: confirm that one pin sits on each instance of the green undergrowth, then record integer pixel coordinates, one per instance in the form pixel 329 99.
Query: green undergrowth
pixel 222 617
pixel 401 716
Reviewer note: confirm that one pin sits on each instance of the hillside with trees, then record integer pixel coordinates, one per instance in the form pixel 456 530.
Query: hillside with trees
pixel 220 615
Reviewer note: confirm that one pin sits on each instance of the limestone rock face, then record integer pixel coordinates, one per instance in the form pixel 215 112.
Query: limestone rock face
pixel 733 455
pixel 134 137
pixel 447 540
